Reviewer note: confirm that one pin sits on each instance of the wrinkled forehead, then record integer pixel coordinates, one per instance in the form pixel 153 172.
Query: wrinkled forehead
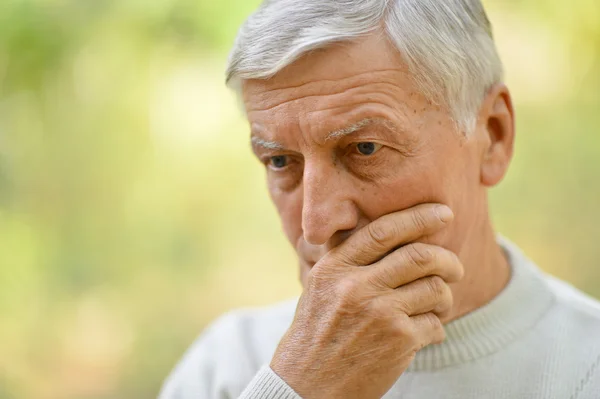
pixel 371 59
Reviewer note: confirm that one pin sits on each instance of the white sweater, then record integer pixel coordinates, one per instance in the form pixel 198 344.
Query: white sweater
pixel 540 338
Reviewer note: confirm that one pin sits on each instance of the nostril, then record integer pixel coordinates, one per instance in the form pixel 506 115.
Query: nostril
pixel 328 218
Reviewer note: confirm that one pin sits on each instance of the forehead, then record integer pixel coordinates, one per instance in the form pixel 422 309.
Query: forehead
pixel 337 87
pixel 332 70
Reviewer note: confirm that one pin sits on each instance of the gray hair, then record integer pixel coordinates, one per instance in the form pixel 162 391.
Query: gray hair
pixel 447 44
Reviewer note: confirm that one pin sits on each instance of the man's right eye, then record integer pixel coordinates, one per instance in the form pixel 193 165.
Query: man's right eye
pixel 278 162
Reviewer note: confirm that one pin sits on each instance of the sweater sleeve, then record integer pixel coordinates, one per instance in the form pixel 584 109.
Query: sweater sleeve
pixel 268 385
pixel 265 385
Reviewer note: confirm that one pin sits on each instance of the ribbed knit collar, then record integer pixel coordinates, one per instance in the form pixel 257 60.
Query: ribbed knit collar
pixel 521 304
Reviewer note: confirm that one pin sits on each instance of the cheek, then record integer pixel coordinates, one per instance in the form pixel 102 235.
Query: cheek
pixel 446 180
pixel 468 200
pixel 415 183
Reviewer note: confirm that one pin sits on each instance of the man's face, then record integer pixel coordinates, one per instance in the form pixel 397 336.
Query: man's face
pixel 346 138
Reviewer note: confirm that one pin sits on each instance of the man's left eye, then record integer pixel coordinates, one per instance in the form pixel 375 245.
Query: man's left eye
pixel 278 162
pixel 367 148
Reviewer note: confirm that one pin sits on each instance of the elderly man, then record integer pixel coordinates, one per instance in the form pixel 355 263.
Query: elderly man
pixel 381 125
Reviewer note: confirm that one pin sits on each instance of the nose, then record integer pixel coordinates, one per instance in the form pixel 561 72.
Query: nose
pixel 328 210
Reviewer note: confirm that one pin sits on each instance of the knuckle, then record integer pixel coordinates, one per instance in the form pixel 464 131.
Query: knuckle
pixel 446 301
pixel 336 257
pixel 437 286
pixel 332 258
pixel 403 305
pixel 447 296
pixel 403 328
pixel 434 322
pixel 430 331
pixel 380 232
pixel 347 289
pixel 381 278
pixel 419 254
pixel 419 220
pixel 439 334
pixel 379 309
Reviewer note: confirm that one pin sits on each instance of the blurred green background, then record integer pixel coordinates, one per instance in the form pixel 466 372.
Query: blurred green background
pixel 132 212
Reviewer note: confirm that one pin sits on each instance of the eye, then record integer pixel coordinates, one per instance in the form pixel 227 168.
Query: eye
pixel 278 162
pixel 367 148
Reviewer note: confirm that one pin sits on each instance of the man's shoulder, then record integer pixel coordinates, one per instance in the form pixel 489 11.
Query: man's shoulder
pixel 274 314
pixel 256 324
pixel 254 332
pixel 571 299
pixel 576 315
pixel 228 353
pixel 575 326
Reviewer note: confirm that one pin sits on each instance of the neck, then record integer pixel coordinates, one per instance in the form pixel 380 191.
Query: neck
pixel 487 271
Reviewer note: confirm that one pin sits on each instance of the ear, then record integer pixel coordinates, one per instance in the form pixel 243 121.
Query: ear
pixel 496 129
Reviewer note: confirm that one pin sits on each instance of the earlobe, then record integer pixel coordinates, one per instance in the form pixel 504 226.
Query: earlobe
pixel 497 114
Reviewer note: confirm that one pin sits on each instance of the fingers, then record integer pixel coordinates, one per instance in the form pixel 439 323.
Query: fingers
pixel 429 329
pixel 414 261
pixel 373 241
pixel 429 294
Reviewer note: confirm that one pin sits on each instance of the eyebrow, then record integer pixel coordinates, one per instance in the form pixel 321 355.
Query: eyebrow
pixel 268 145
pixel 258 142
pixel 355 127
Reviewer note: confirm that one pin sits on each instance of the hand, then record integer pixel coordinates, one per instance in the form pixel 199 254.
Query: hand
pixel 364 315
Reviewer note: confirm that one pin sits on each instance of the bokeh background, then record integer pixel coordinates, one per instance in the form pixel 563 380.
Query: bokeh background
pixel 132 212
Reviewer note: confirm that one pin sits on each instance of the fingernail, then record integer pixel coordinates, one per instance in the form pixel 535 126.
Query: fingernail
pixel 444 213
